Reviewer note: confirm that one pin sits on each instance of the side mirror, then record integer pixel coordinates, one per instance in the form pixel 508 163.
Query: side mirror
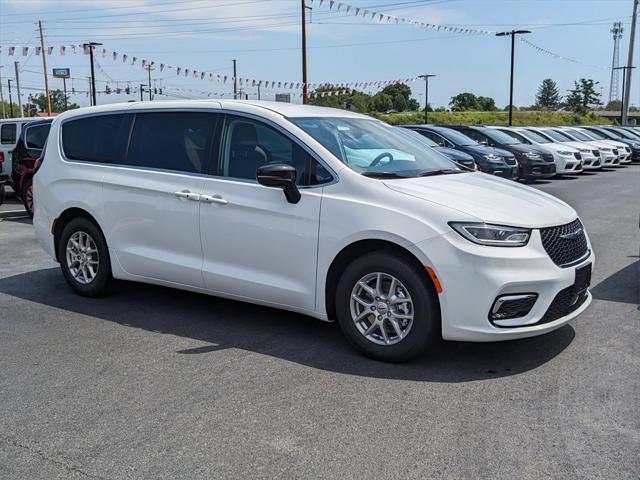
pixel 280 175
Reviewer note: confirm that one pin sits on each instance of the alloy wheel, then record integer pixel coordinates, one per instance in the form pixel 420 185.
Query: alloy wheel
pixel 82 257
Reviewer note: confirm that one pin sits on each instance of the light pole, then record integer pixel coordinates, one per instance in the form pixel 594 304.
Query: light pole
pixel 90 45
pixel 10 100
pixel 513 34
pixel 235 80
pixel 305 92
pixel 426 96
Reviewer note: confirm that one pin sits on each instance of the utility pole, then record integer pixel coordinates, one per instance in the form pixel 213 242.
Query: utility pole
pixel 141 92
pixel 624 77
pixel 1 94
pixel 64 89
pixel 235 80
pixel 16 66
pixel 259 90
pixel 10 100
pixel 513 34
pixel 627 81
pixel 426 96
pixel 149 71
pixel 44 68
pixel 304 52
pixel 90 46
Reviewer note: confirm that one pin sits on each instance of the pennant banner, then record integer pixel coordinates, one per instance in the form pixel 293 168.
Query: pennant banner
pixel 559 57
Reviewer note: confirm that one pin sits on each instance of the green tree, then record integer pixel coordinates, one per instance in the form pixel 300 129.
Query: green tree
pixel 464 102
pixel 57 102
pixel 399 103
pixel 381 102
pixel 614 105
pixel 548 96
pixel 413 105
pixel 583 95
pixel 487 104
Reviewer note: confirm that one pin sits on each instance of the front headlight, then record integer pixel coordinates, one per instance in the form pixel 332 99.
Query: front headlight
pixel 605 149
pixel 492 235
pixel 566 154
pixel 532 156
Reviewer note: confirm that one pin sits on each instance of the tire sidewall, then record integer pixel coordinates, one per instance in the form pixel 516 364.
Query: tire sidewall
pixel 426 321
pixel 99 284
pixel 28 184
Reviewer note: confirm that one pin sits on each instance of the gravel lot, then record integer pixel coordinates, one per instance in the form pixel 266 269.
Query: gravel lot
pixel 156 383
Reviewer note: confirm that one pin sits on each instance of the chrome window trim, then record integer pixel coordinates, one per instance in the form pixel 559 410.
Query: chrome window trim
pixel 223 111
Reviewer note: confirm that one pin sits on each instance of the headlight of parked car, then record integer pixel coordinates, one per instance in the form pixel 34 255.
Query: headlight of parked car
pixel 565 153
pixel 584 150
pixel 493 235
pixel 532 156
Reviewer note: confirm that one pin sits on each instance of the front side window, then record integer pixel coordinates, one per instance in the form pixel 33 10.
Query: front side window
pixel 374 148
pixel 457 138
pixel 36 136
pixel 556 135
pixel 98 138
pixel 477 136
pixel 500 137
pixel 249 144
pixel 179 141
pixel 536 137
pixel 435 138
pixel 8 133
pixel 516 136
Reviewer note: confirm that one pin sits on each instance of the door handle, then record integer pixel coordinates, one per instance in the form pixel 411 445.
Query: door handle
pixel 213 199
pixel 187 194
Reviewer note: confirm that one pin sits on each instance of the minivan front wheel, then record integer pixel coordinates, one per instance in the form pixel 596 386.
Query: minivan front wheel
pixel 84 257
pixel 386 307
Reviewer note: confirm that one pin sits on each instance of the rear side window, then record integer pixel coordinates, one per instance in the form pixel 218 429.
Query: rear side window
pixel 178 141
pixel 8 133
pixel 99 138
pixel 36 136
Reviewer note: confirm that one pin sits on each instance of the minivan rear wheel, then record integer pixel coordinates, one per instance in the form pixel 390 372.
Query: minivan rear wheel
pixel 27 196
pixel 386 307
pixel 84 257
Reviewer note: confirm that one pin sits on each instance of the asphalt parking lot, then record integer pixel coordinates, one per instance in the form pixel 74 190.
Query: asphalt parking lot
pixel 156 383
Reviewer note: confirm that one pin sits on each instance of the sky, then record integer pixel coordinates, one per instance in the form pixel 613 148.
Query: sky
pixel 264 37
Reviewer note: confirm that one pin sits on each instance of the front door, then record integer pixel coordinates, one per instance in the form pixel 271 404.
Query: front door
pixel 256 245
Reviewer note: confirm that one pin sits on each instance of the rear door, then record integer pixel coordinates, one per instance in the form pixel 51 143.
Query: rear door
pixel 151 199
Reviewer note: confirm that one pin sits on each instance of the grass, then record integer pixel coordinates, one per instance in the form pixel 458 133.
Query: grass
pixel 491 118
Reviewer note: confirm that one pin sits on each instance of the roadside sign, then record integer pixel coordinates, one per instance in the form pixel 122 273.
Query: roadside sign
pixel 61 73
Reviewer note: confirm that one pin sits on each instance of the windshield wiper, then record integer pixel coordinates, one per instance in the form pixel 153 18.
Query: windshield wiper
pixel 431 173
pixel 383 175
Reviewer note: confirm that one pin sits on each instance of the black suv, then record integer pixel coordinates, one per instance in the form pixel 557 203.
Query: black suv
pixel 489 160
pixel 533 162
pixel 24 156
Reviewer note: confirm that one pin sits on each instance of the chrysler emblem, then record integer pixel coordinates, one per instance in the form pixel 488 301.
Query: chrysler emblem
pixel 571 235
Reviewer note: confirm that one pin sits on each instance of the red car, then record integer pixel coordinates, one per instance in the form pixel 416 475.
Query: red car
pixel 25 157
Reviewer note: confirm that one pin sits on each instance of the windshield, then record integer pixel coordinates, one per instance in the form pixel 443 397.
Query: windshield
pixel 578 135
pixel 536 137
pixel 374 148
pixel 593 134
pixel 623 133
pixel 457 138
pixel 607 133
pixel 557 136
pixel 500 137
pixel 519 137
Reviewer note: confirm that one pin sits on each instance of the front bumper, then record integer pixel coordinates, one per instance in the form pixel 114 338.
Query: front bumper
pixel 591 162
pixel 473 276
pixel 537 170
pixel 568 166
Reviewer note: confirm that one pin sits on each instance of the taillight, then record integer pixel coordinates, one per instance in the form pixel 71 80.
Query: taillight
pixel 1 157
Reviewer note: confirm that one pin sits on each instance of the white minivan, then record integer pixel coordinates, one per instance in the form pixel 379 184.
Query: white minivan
pixel 320 211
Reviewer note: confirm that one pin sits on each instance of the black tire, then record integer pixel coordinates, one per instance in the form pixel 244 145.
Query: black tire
pixel 27 196
pixel 426 312
pixel 2 192
pixel 99 284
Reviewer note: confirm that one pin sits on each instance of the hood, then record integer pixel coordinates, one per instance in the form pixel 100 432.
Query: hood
pixel 484 150
pixel 489 199
pixel 454 154
pixel 522 148
pixel 559 147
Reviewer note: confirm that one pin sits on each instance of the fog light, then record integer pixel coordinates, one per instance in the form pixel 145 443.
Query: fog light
pixel 512 306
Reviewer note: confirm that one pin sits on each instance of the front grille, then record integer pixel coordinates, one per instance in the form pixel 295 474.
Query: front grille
pixel 565 302
pixel 547 157
pixel 627 149
pixel 509 160
pixel 596 153
pixel 512 306
pixel 577 155
pixel 566 243
pixel 615 152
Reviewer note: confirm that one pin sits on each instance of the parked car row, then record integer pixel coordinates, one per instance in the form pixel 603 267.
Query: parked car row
pixel 531 153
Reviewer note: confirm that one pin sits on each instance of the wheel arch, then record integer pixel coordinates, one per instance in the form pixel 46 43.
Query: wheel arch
pixel 356 249
pixel 63 220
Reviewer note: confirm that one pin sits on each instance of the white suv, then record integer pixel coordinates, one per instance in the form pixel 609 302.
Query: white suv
pixel 320 211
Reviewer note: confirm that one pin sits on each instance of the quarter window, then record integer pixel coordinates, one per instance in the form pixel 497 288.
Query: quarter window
pixel 249 144
pixel 178 141
pixel 36 136
pixel 8 133
pixel 99 138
